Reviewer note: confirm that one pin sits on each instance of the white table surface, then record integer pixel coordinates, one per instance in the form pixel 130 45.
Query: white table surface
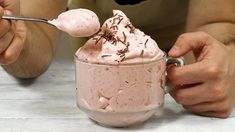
pixel 48 105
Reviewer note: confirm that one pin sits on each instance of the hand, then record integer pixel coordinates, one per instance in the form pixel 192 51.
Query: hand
pixel 206 87
pixel 12 33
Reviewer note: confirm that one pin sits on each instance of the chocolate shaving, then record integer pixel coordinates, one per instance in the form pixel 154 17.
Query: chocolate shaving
pixel 124 35
pixel 114 20
pixel 122 58
pixel 146 43
pixel 117 61
pixel 132 28
pixel 114 42
pixel 120 20
pixel 105 56
pixel 122 51
pixel 122 55
pixel 118 53
pixel 114 27
pixel 97 41
pixel 120 40
pixel 142 53
pixel 108 35
pixel 127 44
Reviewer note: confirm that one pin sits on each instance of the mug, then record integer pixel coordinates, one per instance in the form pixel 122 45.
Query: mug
pixel 122 95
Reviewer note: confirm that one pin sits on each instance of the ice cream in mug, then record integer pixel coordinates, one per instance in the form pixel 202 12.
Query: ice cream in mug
pixel 120 74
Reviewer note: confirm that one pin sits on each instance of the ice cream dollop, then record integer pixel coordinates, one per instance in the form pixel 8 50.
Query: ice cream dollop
pixel 119 42
pixel 77 22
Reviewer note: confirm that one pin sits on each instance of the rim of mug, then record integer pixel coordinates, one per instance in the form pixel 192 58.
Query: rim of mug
pixel 121 64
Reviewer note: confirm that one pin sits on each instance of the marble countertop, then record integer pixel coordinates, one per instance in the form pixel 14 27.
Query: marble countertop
pixel 47 104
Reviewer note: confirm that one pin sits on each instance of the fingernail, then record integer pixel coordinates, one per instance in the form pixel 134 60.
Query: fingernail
pixel 7 12
pixel 174 49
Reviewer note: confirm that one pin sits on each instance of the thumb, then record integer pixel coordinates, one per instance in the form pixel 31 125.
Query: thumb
pixel 189 41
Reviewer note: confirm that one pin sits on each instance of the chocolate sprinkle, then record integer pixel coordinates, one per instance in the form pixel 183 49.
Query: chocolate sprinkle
pixel 115 27
pixel 120 20
pixel 105 56
pixel 122 55
pixel 146 43
pixel 97 41
pixel 142 53
pixel 122 58
pixel 132 28
pixel 124 35
pixel 122 51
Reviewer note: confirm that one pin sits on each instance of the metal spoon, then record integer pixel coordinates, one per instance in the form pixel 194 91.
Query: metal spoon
pixel 26 19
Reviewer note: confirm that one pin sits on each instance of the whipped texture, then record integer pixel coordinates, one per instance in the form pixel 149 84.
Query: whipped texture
pixel 77 22
pixel 119 42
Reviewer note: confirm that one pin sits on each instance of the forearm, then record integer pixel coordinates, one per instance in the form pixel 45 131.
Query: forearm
pixel 215 17
pixel 222 31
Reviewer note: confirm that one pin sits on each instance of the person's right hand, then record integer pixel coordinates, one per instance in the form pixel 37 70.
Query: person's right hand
pixel 206 87
pixel 12 33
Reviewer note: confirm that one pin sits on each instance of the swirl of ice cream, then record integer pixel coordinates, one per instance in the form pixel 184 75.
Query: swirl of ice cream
pixel 77 22
pixel 119 42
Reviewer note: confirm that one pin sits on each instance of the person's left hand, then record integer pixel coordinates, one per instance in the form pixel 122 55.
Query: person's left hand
pixel 206 87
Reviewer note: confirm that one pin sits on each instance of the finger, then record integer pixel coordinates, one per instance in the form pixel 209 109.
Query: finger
pixel 12 53
pixel 187 74
pixel 6 40
pixel 1 11
pixel 195 94
pixel 219 114
pixel 189 41
pixel 4 27
pixel 222 105
pixel 11 7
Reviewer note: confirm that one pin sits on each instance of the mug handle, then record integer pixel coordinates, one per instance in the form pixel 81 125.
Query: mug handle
pixel 176 62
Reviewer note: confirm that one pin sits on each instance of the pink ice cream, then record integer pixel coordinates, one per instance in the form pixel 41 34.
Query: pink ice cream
pixel 120 74
pixel 119 42
pixel 77 22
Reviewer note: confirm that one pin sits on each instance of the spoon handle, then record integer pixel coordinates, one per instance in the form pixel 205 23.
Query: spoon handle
pixel 26 19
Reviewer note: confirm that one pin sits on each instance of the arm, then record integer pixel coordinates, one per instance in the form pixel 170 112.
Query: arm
pixel 40 40
pixel 206 87
pixel 215 17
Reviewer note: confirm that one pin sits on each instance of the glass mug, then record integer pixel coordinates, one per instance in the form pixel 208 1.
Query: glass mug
pixel 121 95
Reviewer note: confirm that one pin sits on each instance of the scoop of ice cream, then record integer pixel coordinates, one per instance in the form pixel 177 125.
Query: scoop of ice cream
pixel 119 42
pixel 77 22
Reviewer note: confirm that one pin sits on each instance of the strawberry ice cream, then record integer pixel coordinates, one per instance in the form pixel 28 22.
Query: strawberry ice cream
pixel 120 74
pixel 77 22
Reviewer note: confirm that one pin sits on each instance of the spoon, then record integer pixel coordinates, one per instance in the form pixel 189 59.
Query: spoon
pixel 26 19
pixel 76 22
